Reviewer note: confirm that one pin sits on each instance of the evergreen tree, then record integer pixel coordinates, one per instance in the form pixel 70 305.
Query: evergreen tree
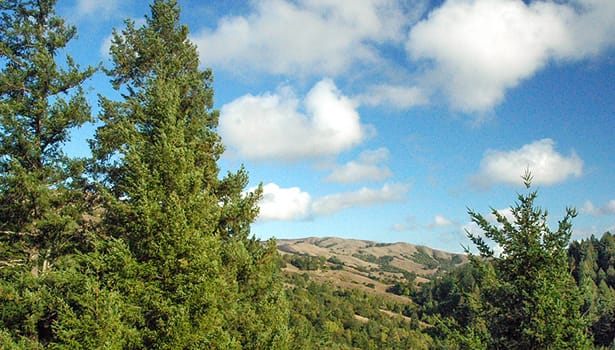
pixel 41 189
pixel 203 283
pixel 531 298
pixel 592 260
pixel 40 198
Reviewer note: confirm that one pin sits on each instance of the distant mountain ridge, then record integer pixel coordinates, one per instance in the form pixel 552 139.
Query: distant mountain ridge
pixel 368 265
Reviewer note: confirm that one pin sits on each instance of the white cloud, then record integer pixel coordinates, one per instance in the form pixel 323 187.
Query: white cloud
pixel 480 48
pixel 473 229
pixel 286 204
pixel 283 203
pixel 591 209
pixel 367 167
pixel 105 47
pixel 471 50
pixel 402 227
pixel 506 213
pixel 272 126
pixel 546 165
pixel 441 221
pixel 396 96
pixel 583 232
pixel 334 203
pixel 96 7
pixel 305 36
pixel 409 225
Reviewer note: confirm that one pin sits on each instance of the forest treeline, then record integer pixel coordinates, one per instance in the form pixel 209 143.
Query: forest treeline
pixel 452 302
pixel 146 245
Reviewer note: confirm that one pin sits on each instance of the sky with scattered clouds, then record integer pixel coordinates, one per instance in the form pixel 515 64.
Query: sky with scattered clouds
pixel 386 119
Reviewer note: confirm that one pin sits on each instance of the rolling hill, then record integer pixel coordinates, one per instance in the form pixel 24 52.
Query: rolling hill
pixel 367 265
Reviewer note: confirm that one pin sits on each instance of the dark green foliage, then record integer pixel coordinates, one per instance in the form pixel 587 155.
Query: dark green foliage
pixel 524 298
pixel 444 295
pixel 186 228
pixel 306 262
pixel 593 263
pixel 327 318
pixel 530 298
pixel 432 261
pixel 452 304
pixel 385 260
pixel 421 257
pixel 337 263
pixel 405 288
pixel 387 267
pixel 165 260
pixel 370 258
pixel 41 194
pixel 42 199
pixel 452 301
pixel 92 311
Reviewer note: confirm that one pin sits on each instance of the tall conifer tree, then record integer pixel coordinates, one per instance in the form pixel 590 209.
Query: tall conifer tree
pixel 41 189
pixel 530 299
pixel 40 102
pixel 204 282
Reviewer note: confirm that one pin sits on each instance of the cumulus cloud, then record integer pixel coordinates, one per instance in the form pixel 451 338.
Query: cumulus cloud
pixel 286 204
pixel 273 126
pixel 480 48
pixel 395 96
pixel 591 209
pixel 305 36
pixel 547 166
pixel 367 167
pixel 334 203
pixel 473 51
pixel 283 203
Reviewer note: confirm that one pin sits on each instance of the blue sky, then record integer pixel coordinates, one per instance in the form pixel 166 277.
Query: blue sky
pixel 385 120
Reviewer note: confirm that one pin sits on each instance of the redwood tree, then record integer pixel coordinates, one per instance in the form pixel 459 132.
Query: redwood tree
pixel 202 281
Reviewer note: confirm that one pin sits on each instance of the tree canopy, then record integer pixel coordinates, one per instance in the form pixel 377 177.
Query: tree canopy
pixel 40 102
pixel 169 243
pixel 42 190
pixel 527 292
